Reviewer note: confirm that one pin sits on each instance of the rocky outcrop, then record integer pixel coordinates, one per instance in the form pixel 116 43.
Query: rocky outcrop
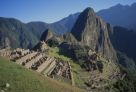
pixel 41 46
pixel 46 35
pixel 51 38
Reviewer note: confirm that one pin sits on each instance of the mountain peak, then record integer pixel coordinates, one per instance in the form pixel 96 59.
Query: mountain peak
pixel 119 5
pixel 89 11
pixel 87 16
pixel 133 5
pixel 90 30
pixel 47 34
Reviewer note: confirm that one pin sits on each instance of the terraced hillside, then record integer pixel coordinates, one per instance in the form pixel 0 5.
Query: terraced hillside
pixel 20 79
pixel 40 62
pixel 96 75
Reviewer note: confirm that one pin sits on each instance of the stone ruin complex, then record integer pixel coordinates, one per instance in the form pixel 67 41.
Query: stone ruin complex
pixel 41 63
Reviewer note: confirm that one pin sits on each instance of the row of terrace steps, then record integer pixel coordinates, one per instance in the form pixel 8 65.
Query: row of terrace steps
pixel 47 66
pixel 41 63
pixel 38 62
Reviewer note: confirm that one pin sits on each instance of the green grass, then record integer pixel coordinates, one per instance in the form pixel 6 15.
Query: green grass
pixel 77 74
pixel 24 80
pixel 54 52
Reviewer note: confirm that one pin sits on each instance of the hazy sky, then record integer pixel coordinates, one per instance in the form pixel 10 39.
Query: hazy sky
pixel 51 10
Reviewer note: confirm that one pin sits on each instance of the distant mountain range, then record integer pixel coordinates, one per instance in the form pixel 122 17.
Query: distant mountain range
pixel 59 27
pixel 16 34
pixel 124 40
pixel 27 35
pixel 120 15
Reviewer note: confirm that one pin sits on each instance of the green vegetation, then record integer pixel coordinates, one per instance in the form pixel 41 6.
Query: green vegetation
pixel 54 52
pixel 124 86
pixel 18 34
pixel 70 38
pixel 24 80
pixel 76 69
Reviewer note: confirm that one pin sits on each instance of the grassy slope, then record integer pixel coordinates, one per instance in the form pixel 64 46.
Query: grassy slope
pixel 24 80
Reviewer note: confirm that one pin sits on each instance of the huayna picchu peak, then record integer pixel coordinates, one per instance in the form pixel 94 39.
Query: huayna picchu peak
pixel 90 30
pixel 79 53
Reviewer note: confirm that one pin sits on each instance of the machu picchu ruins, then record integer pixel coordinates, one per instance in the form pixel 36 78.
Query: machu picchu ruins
pixel 88 51
pixel 40 62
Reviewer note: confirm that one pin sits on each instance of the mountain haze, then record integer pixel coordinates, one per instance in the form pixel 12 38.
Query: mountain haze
pixel 124 40
pixel 120 15
pixel 26 35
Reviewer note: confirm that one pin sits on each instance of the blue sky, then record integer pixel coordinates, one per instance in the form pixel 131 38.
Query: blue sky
pixel 51 10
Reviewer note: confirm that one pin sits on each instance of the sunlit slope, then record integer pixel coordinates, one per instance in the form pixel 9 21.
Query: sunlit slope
pixel 24 80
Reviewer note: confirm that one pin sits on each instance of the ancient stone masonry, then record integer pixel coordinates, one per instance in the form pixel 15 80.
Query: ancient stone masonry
pixel 40 62
pixel 26 58
pixel 50 68
pixel 101 71
pixel 45 64
pixel 36 58
pixel 62 71
pixel 17 53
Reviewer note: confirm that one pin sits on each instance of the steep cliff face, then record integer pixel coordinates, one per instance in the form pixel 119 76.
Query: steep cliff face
pixel 92 31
